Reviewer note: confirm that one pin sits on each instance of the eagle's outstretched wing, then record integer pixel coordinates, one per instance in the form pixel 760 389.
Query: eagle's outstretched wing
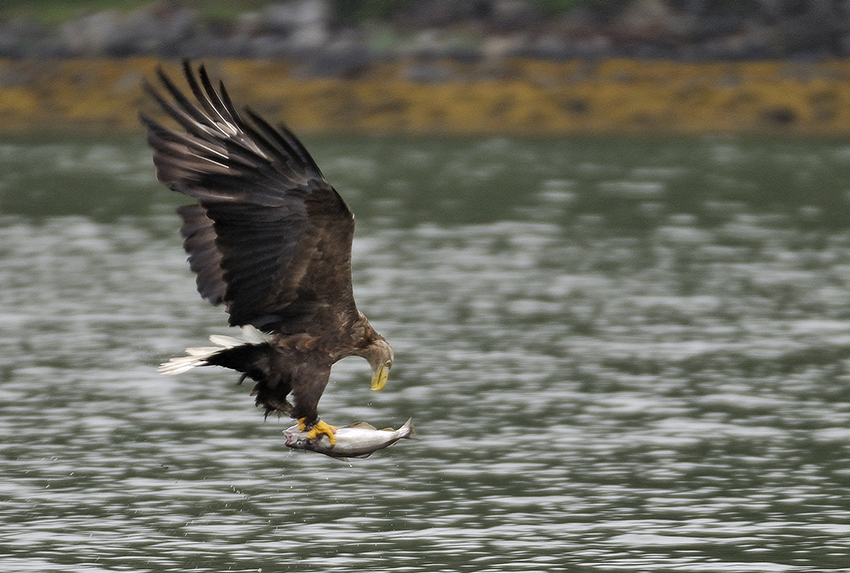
pixel 268 237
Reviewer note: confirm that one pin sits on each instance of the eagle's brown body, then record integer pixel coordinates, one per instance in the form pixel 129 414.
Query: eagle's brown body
pixel 270 239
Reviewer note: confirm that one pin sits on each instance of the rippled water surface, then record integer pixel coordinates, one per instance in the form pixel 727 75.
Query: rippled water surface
pixel 620 355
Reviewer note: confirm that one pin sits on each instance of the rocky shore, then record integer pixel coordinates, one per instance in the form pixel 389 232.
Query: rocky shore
pixel 482 66
pixel 334 42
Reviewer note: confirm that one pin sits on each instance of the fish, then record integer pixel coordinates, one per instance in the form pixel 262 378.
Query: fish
pixel 357 440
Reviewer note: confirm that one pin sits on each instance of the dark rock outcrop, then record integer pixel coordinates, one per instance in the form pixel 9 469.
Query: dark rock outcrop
pixel 672 29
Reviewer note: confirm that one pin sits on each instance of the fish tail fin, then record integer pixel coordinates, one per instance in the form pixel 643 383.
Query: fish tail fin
pixel 201 356
pixel 407 430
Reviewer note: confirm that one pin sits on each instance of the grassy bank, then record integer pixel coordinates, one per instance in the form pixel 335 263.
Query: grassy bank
pixel 513 96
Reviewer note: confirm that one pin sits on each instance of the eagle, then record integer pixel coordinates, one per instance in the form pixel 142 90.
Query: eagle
pixel 270 239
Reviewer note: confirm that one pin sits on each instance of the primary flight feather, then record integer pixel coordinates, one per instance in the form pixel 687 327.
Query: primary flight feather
pixel 268 237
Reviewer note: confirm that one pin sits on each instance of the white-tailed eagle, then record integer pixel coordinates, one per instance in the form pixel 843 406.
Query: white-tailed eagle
pixel 268 237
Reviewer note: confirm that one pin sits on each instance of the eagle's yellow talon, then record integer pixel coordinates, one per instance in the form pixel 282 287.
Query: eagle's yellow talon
pixel 318 428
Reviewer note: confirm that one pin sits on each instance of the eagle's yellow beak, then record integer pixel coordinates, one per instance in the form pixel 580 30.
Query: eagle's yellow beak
pixel 379 377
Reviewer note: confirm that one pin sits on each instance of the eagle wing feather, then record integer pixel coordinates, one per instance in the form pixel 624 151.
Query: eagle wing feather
pixel 268 236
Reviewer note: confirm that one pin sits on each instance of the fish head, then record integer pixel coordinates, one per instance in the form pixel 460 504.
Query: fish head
pixel 296 438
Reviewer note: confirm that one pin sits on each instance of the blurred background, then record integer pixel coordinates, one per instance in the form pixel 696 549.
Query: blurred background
pixel 530 66
pixel 558 29
pixel 608 240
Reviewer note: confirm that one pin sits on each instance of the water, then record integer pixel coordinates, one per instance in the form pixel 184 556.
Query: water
pixel 620 354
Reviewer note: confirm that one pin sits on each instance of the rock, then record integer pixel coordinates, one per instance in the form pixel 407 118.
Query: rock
pixel 289 29
pixel 310 31
pixel 433 44
pixel 649 21
pixel 91 35
pixel 340 61
pixel 158 30
pixel 18 36
pixel 547 46
pixel 514 15
pixel 149 30
pixel 424 14
pixel 304 23
pixel 207 42
pixel 758 42
pixel 815 32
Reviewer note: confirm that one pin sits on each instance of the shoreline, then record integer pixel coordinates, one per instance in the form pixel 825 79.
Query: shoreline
pixel 504 96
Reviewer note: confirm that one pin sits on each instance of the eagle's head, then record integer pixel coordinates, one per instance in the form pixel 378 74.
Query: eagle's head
pixel 379 354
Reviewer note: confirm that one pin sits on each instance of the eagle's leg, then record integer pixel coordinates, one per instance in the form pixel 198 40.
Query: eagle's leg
pixel 318 427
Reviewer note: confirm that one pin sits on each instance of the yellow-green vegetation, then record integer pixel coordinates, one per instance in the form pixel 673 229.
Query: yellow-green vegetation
pixel 511 96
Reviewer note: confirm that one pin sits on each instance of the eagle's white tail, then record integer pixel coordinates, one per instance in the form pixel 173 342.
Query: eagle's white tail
pixel 198 356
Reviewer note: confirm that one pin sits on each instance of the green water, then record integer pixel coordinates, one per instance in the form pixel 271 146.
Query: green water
pixel 620 355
